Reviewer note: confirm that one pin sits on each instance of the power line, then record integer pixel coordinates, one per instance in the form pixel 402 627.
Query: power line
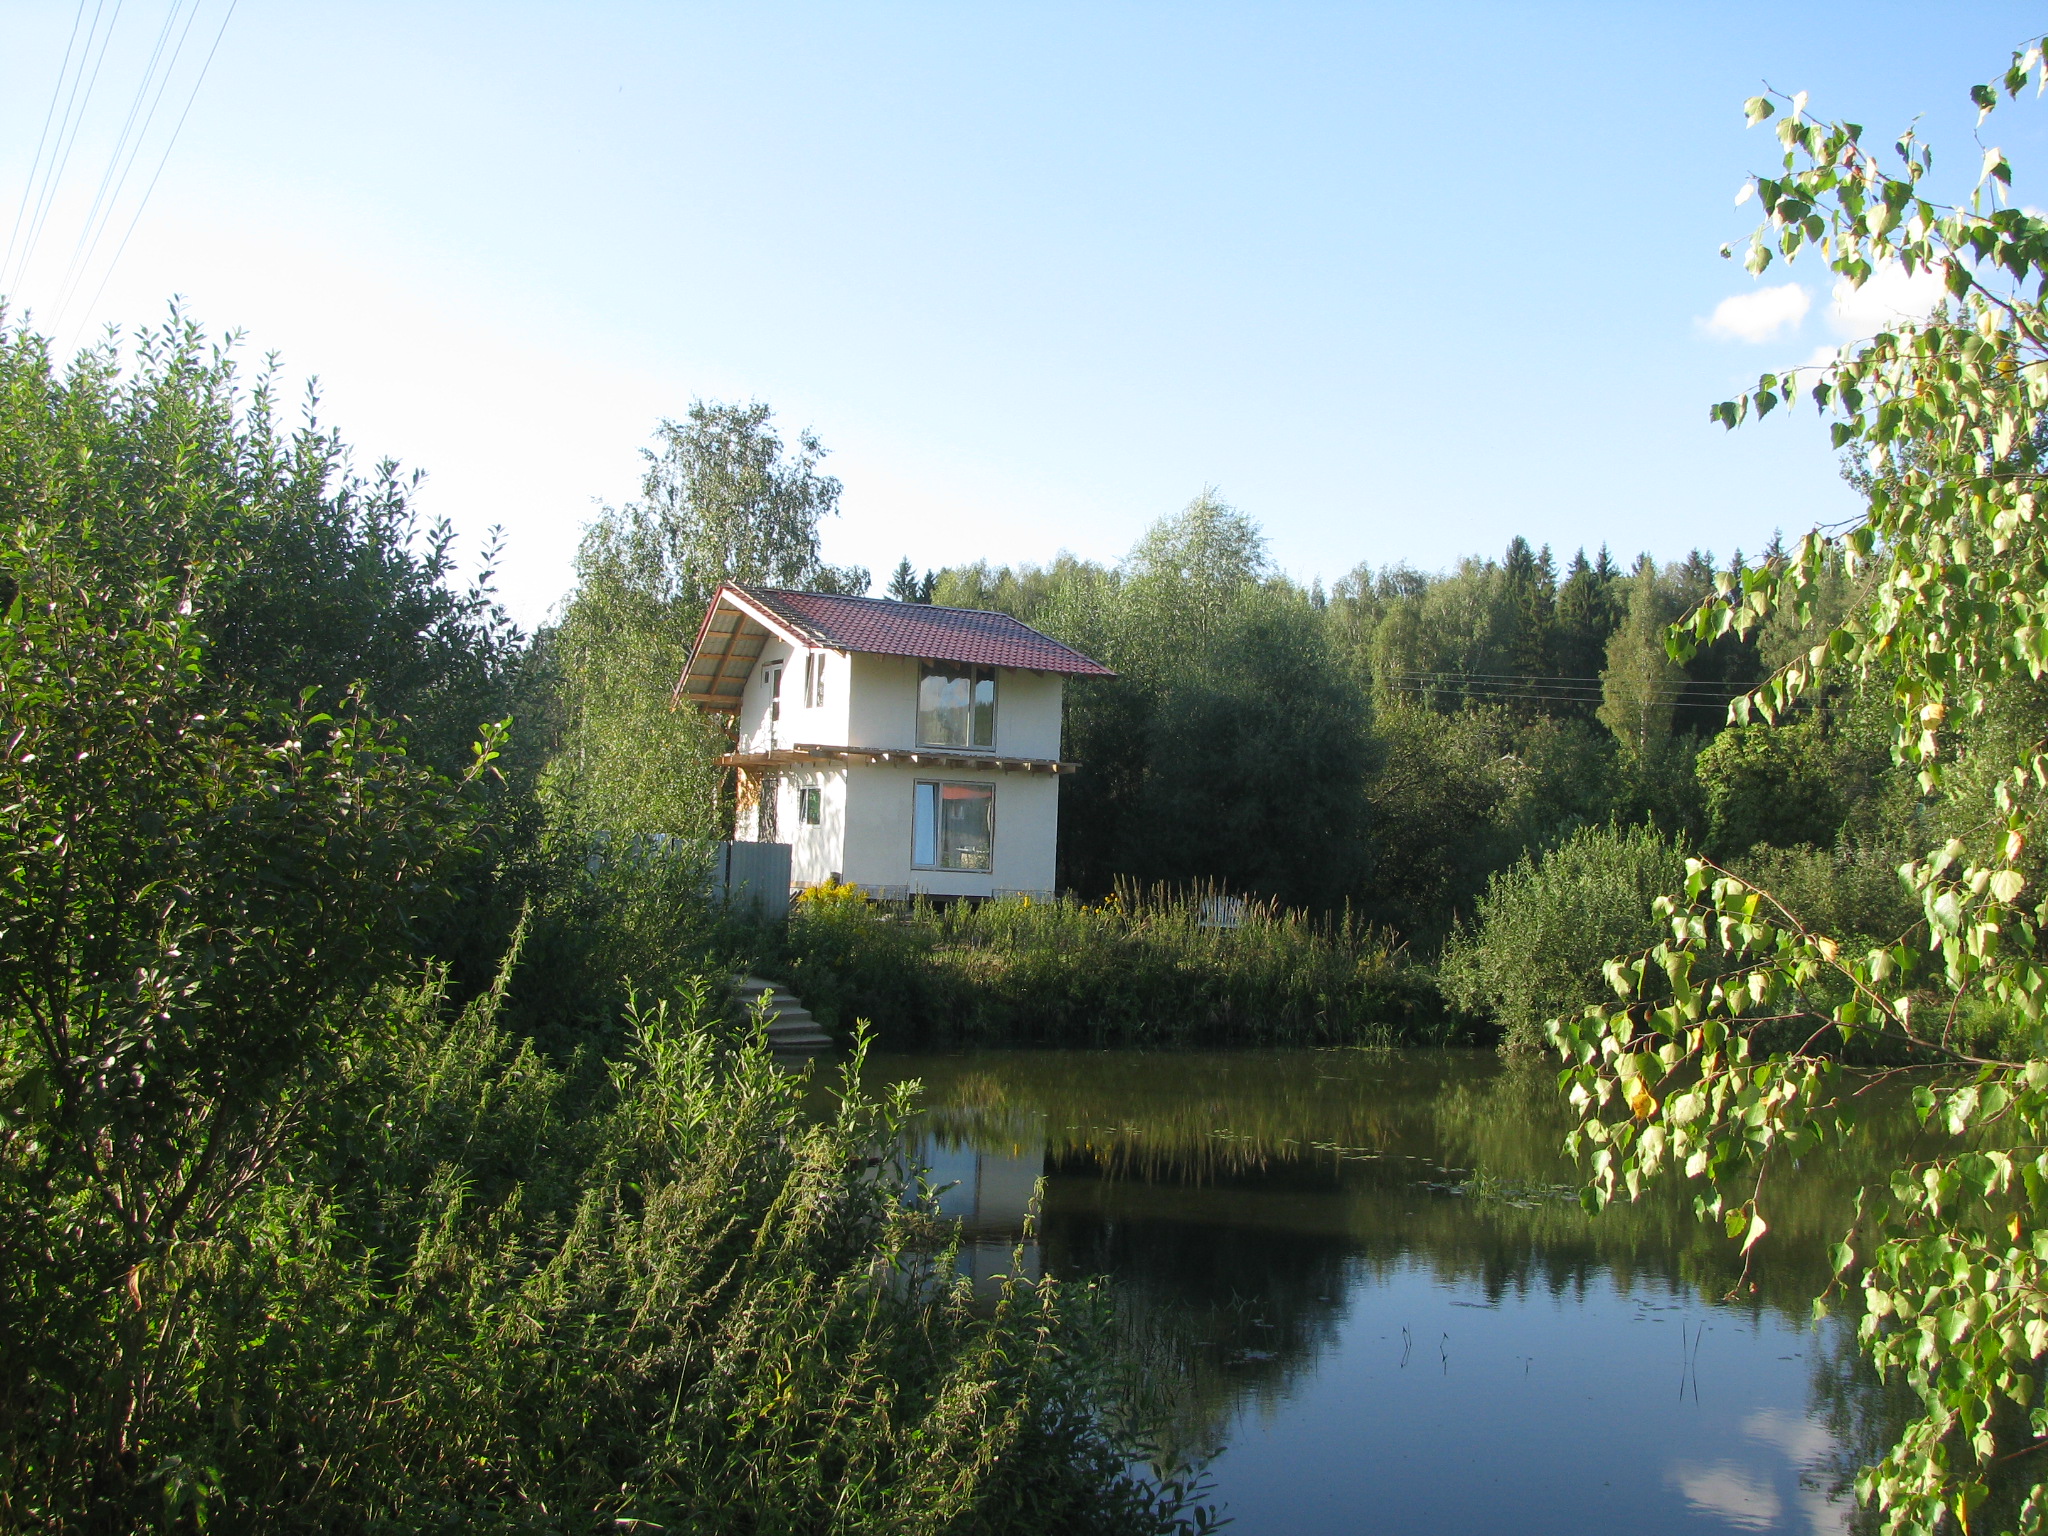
pixel 116 174
pixel 1532 677
pixel 67 132
pixel 128 234
pixel 49 113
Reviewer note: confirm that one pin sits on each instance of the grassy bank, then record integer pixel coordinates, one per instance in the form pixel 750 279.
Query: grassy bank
pixel 1141 968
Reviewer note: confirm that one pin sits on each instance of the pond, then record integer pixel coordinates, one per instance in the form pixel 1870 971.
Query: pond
pixel 1361 1279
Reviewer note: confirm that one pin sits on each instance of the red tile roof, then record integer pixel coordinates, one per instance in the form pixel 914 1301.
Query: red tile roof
pixel 882 627
pixel 738 621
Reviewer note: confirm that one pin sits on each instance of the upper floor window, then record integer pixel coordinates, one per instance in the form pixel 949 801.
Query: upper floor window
pixel 814 679
pixel 956 705
pixel 771 679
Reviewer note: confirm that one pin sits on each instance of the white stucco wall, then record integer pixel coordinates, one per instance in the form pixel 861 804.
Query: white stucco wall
pixel 865 830
pixel 824 725
pixel 877 831
pixel 815 853
pixel 884 708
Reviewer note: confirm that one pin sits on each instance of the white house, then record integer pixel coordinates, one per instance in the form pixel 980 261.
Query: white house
pixel 898 746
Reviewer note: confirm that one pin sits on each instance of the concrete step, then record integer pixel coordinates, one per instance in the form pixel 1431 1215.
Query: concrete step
pixel 790 1025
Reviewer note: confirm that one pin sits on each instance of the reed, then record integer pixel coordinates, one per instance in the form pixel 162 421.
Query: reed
pixel 1147 966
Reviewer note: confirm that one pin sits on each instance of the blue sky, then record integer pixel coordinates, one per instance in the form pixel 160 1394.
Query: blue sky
pixel 1401 281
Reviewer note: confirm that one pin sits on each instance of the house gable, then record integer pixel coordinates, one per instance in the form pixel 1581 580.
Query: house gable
pixel 740 621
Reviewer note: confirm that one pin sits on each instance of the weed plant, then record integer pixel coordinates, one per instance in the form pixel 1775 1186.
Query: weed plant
pixel 1146 966
pixel 487 1291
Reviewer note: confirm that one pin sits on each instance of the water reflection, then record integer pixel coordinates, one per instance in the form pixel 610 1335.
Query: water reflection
pixel 1363 1278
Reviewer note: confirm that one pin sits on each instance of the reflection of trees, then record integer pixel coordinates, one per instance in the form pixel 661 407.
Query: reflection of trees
pixel 1233 1195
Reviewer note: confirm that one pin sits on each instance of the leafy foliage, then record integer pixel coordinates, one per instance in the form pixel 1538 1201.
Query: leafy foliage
pixel 197 901
pixel 1686 1071
pixel 480 1290
pixel 1543 927
pixel 300 571
pixel 290 1239
pixel 1143 967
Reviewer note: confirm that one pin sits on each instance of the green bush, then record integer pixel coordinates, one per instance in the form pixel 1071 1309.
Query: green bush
pixel 484 1292
pixel 1545 927
pixel 290 1241
pixel 1770 785
pixel 1142 967
pixel 1852 893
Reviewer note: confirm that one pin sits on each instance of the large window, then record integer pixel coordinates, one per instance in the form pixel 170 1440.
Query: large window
pixel 953 826
pixel 956 706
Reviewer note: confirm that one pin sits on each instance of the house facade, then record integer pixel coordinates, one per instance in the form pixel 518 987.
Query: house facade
pixel 901 747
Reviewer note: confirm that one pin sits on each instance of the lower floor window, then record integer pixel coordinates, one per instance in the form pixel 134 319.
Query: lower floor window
pixel 808 805
pixel 953 826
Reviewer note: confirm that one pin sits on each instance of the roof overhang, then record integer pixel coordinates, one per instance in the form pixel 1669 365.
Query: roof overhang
pixel 729 642
pixel 921 757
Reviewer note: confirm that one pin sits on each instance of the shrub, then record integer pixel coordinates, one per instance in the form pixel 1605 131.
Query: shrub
pixel 487 1292
pixel 1769 785
pixel 1545 927
pixel 1142 967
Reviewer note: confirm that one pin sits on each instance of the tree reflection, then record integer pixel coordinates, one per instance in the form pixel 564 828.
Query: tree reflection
pixel 1242 1201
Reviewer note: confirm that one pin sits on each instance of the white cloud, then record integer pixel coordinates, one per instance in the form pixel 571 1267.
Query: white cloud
pixel 1805 1444
pixel 1800 1438
pixel 1759 315
pixel 1740 1498
pixel 1889 297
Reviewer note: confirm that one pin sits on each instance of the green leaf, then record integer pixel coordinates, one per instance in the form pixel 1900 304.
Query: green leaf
pixel 1755 110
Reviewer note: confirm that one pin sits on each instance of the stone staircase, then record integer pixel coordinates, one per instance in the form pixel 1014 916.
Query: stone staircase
pixel 790 1027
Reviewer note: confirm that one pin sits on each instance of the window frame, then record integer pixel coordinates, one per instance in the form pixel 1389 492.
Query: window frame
pixel 771 679
pixel 814 680
pixel 810 805
pixel 939 786
pixel 976 676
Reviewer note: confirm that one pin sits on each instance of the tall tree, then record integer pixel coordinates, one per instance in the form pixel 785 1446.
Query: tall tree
pixel 721 501
pixel 1232 746
pixel 1641 682
pixel 1530 600
pixel 906 586
pixel 1587 614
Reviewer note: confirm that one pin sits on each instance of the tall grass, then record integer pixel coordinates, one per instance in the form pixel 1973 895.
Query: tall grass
pixel 1144 967
pixel 486 1291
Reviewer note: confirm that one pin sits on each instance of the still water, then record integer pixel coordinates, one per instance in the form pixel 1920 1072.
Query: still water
pixel 1362 1280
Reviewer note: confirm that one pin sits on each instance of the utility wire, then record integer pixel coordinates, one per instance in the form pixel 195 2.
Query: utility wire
pixel 1684 700
pixel 1531 677
pixel 43 138
pixel 67 133
pixel 129 233
pixel 116 174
